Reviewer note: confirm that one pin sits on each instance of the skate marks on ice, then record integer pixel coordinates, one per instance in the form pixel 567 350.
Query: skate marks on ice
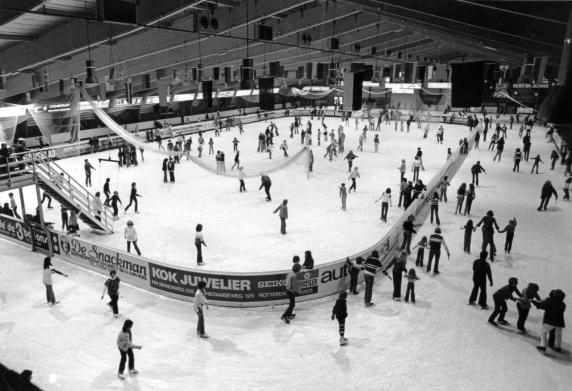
pixel 107 380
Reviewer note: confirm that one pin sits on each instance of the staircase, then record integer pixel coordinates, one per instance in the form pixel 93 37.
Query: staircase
pixel 52 178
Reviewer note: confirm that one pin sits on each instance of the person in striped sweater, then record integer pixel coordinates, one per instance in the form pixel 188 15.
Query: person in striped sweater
pixel 435 242
pixel 371 266
pixel 434 199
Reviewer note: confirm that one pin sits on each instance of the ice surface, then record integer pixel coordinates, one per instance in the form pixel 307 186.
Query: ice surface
pixel 240 230
pixel 439 343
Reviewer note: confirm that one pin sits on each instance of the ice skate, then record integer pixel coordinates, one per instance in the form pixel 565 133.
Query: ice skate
pixel 343 341
pixel 204 335
pixel 133 372
pixel 121 376
pixel 284 319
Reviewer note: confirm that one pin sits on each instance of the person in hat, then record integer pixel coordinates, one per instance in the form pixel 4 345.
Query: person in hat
pixel 131 237
pixel 199 303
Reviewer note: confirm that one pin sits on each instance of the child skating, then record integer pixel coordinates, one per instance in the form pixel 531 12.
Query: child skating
pixel 469 228
pixel 340 312
pixel 411 279
pixel 421 246
pixel 509 229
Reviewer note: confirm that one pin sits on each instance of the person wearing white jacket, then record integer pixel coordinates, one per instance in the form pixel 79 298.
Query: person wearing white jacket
pixel 199 303
pixel 131 237
pixel 385 203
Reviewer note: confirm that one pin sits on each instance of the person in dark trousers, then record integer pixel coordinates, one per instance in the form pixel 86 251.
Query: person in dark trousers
pixel 88 167
pixel 47 280
pixel 553 319
pixel 523 304
pixel 265 183
pixel 399 269
pixel 199 242
pixel 371 266
pixel 443 188
pixel 114 200
pixel 476 169
pixel 385 203
pixel 133 197
pixel 130 235
pixel 421 246
pixel 106 191
pixel 489 223
pixel 171 169
pixel 500 297
pixel 241 176
pixel 292 288
pixel 411 279
pixel 509 229
pixel 340 312
pixel 402 188
pixel 546 194
pixel 553 158
pixel 199 302
pixel 64 214
pixel 354 269
pixel 47 196
pixel 468 227
pixel 481 271
pixel 112 287
pixel 408 195
pixel 353 176
pixel 470 196
pixel 500 148
pixel 126 346
pixel 283 209
pixel 350 158
pixel 14 205
pixel 526 144
pixel 537 161
pixel 517 158
pixel 236 161
pixel 165 169
pixel 408 231
pixel 434 199
pixel 435 242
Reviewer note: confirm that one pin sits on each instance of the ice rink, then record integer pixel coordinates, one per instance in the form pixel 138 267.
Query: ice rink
pixel 439 343
pixel 240 229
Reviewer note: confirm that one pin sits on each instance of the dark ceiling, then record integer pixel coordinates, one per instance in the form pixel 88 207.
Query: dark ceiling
pixel 51 36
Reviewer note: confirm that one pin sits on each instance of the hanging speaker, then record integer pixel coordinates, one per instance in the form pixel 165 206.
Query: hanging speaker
pixel 2 80
pixel 146 81
pixel 216 73
pixel 90 71
pixel 227 74
pixel 353 84
pixel 207 87
pixel 275 68
pixel 300 73
pixel 309 70
pixel 334 43
pixel 266 93
pixel 264 32
pixel 129 91
pixel 62 85
pixel 194 74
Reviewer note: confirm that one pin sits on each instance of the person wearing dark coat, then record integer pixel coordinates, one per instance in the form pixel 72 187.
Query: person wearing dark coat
pixel 553 320
pixel 265 183
pixel 546 194
pixel 408 231
pixel 554 158
pixel 340 312
pixel 523 304
pixel 489 223
pixel 165 162
pixel 476 169
pixel 399 269
pixel 407 195
pixel 6 210
pixel 500 297
pixel 500 148
pixel 171 169
pixel 481 271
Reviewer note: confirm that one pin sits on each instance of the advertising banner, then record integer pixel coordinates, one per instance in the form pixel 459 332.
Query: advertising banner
pixel 15 229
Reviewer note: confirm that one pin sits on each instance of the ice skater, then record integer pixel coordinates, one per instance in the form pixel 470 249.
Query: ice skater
pixel 398 270
pixel 553 320
pixel 371 266
pixel 411 280
pixel 517 158
pixel 354 269
pixel 343 195
pixel 443 185
pixel 353 176
pixel 130 235
pixel 470 196
pixel 408 231
pixel 47 280
pixel 266 184
pixel 200 302
pixel 537 161
pixel 488 221
pixel 284 148
pixel 13 205
pixel 546 194
pixel 114 200
pixel 106 191
pixel 435 242
pixel 385 203
pixel 509 229
pixel 500 297
pixel 88 167
pixel 64 215
pixel 481 271
pixel 523 304
pixel 461 193
pixel 171 169
pixel 126 346
pixel 199 242
pixel 292 288
pixel 133 197
pixel 421 246
pixel 350 158
pixel 241 176
pixel 434 199
pixel 469 228
pixel 340 312
pixel 476 169
pixel 283 209
pixel 165 169
pixel 402 169
pixel 111 285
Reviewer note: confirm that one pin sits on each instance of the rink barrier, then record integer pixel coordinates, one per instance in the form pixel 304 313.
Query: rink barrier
pixel 223 288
